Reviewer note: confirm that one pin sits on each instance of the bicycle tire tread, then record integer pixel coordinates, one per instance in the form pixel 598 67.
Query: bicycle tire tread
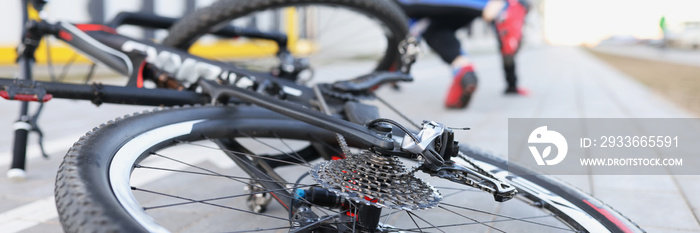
pixel 77 212
pixel 72 205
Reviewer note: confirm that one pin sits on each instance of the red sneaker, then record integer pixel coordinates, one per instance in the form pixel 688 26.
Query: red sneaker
pixel 463 86
pixel 517 91
pixel 509 24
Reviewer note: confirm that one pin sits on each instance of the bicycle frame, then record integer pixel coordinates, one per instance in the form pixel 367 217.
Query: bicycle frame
pixel 142 60
pixel 129 57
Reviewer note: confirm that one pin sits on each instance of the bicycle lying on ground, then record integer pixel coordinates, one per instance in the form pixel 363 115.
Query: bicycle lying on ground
pixel 280 156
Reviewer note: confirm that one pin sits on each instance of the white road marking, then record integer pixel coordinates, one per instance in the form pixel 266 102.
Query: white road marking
pixel 36 212
pixel 29 215
pixel 58 146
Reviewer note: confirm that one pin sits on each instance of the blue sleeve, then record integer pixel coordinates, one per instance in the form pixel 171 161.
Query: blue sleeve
pixel 475 4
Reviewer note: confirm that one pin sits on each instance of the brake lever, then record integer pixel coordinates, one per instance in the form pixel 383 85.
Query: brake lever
pixel 367 82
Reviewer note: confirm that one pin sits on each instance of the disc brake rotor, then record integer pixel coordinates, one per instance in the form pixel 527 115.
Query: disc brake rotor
pixel 376 180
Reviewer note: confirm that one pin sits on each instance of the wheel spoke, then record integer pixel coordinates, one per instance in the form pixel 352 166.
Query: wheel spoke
pixel 275 148
pixel 333 215
pixel 460 191
pixel 509 218
pixel 203 169
pixel 219 174
pixel 414 221
pixel 490 221
pixel 207 203
pixel 433 226
pixel 327 216
pixel 363 37
pixel 296 155
pixel 472 219
pixel 216 175
pixel 213 199
pixel 325 24
pixel 261 229
pixel 248 154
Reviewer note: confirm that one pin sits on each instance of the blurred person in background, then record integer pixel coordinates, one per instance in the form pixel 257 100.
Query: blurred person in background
pixel 664 32
pixel 438 20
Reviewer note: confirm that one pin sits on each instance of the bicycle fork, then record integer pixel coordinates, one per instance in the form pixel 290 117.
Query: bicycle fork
pixel 25 123
pixel 21 127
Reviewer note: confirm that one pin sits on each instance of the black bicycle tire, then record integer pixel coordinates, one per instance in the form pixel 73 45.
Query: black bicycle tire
pixel 612 219
pixel 198 23
pixel 86 202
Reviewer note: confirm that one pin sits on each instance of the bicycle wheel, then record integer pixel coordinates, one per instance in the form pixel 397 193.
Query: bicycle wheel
pixel 364 34
pixel 164 170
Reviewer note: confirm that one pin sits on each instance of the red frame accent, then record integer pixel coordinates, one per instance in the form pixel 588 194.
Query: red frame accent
pixel 139 78
pixel 65 35
pixel 95 27
pixel 610 217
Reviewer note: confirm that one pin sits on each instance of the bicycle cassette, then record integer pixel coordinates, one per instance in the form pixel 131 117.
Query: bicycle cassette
pixel 371 179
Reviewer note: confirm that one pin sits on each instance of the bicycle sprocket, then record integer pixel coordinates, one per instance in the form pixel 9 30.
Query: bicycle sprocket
pixel 372 179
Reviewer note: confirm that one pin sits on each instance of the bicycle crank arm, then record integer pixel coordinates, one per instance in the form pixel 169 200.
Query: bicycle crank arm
pixel 477 178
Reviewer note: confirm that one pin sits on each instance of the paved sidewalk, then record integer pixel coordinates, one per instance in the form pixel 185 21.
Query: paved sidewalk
pixel 564 82
pixel 673 55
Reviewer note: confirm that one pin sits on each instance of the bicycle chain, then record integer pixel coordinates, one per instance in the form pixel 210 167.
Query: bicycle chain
pixel 324 108
pixel 372 179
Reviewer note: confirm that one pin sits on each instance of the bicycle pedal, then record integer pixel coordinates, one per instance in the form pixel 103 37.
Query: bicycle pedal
pixel 24 90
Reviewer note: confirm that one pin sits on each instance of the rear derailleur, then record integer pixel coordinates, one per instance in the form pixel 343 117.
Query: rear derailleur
pixel 436 145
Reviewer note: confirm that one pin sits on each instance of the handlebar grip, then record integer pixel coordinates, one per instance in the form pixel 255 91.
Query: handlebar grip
pixel 19 150
pixel 367 82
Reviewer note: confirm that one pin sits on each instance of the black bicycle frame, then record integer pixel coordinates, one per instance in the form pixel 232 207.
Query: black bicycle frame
pixel 129 57
pixel 219 82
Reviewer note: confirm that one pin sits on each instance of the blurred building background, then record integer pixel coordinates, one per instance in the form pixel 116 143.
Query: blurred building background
pixel 588 22
pixel 92 11
pixel 555 22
